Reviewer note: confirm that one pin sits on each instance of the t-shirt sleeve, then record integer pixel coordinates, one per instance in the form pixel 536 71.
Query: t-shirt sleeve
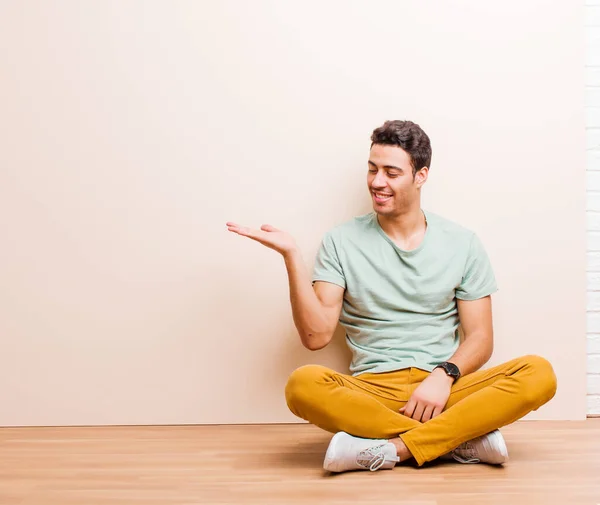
pixel 327 263
pixel 478 278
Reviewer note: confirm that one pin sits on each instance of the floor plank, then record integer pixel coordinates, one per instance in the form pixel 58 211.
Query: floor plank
pixel 551 462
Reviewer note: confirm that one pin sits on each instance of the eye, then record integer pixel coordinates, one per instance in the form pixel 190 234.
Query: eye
pixel 392 176
pixel 372 170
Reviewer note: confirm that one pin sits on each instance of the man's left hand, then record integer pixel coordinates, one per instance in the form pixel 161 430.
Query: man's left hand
pixel 430 397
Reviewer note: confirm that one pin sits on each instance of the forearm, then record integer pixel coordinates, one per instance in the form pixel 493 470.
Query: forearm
pixel 308 312
pixel 475 350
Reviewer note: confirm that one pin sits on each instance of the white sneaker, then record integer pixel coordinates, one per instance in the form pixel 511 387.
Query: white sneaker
pixel 489 448
pixel 346 452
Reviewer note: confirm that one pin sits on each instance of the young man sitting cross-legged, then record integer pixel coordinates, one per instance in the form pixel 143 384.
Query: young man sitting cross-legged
pixel 400 280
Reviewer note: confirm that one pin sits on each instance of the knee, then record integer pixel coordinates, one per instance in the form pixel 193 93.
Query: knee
pixel 301 383
pixel 542 387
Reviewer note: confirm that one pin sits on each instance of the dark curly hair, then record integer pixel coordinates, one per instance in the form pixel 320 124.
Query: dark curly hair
pixel 410 137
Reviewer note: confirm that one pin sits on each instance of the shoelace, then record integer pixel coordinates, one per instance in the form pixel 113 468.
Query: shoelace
pixel 460 459
pixel 372 458
pixel 465 453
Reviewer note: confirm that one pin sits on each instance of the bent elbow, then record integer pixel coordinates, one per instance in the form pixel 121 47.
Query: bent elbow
pixel 315 342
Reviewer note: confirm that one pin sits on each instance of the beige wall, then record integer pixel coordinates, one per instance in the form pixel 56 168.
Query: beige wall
pixel 132 131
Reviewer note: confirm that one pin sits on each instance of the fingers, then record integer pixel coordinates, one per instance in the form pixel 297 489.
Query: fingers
pixel 268 227
pixel 260 236
pixel 427 413
pixel 418 413
pixel 409 408
pixel 233 226
pixel 247 232
pixel 436 412
pixel 241 230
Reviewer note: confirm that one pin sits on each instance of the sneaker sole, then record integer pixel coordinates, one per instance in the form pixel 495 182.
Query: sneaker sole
pixel 501 445
pixel 330 455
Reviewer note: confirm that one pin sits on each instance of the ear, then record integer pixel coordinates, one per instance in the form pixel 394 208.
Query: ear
pixel 421 177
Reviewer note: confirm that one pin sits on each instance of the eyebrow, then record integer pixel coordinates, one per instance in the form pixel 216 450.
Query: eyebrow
pixel 389 167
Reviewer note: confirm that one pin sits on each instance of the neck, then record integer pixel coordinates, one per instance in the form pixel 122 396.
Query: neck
pixel 404 226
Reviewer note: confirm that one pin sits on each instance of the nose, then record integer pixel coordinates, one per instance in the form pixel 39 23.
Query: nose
pixel 379 181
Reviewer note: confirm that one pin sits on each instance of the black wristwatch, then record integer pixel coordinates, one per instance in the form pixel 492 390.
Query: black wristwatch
pixel 451 369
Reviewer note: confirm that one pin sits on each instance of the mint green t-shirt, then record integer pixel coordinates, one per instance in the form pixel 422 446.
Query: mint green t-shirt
pixel 399 308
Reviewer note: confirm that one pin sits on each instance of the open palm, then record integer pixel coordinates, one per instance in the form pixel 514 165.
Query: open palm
pixel 268 235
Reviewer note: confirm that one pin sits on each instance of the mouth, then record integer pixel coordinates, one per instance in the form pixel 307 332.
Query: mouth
pixel 381 197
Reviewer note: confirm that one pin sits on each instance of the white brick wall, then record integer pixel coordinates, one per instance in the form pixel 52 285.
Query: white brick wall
pixel 592 105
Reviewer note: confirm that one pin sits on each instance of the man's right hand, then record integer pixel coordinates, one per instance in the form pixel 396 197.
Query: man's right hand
pixel 316 310
pixel 268 235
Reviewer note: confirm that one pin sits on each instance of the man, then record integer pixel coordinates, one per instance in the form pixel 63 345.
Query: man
pixel 400 280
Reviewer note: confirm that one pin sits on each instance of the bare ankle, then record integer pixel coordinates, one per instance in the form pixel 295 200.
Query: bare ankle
pixel 401 449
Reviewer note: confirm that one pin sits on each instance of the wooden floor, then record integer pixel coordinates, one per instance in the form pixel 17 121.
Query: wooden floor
pixel 551 462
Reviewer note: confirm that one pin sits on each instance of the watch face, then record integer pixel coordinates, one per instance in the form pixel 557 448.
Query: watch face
pixel 452 369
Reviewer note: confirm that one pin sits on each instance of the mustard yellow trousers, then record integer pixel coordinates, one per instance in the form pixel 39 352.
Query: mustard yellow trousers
pixel 367 405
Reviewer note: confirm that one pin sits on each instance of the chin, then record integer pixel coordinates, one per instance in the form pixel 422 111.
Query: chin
pixel 387 211
pixel 382 211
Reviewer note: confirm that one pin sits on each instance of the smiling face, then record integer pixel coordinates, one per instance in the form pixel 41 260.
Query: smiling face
pixel 393 187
